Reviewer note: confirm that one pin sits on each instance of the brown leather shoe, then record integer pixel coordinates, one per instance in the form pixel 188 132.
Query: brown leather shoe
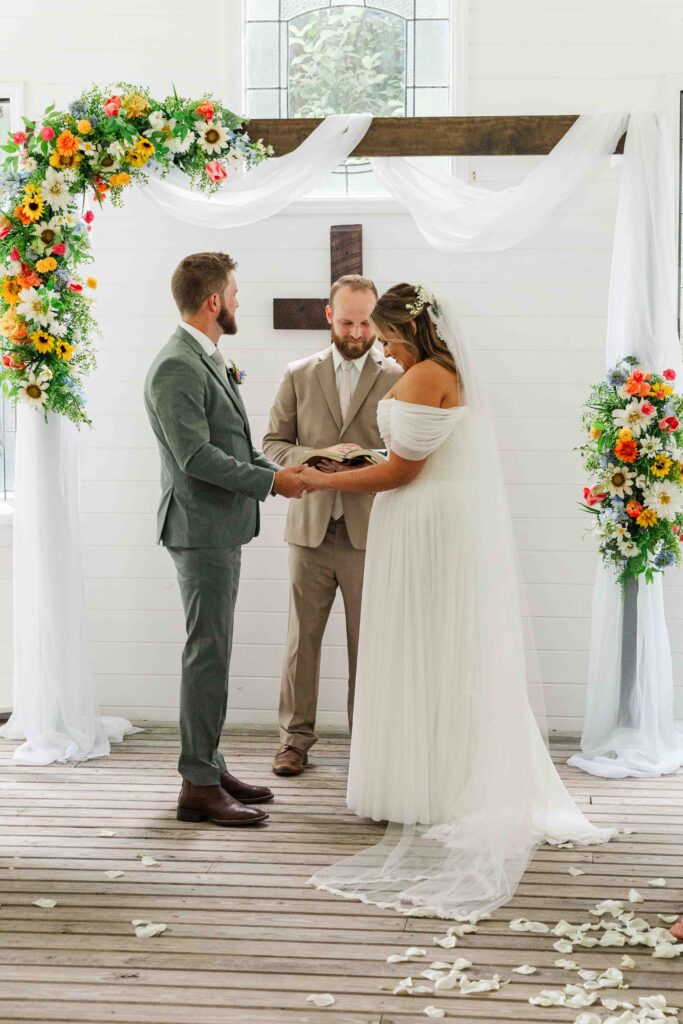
pixel 289 761
pixel 212 803
pixel 243 792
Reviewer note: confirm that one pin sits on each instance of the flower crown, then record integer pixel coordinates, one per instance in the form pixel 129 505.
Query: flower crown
pixel 423 298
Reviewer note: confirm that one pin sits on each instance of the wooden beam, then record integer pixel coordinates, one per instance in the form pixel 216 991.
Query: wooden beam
pixel 528 135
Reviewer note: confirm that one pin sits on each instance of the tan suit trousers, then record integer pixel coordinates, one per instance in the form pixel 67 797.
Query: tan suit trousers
pixel 315 574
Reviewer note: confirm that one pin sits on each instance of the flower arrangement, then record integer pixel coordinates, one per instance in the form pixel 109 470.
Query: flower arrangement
pixel 106 141
pixel 634 456
pixel 239 376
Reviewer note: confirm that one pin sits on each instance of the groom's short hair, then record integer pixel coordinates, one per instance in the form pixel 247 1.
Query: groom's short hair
pixel 356 282
pixel 198 276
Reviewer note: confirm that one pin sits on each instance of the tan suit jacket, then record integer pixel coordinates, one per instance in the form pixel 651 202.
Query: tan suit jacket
pixel 306 414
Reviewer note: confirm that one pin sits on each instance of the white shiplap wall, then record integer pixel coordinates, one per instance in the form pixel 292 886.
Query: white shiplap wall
pixel 534 315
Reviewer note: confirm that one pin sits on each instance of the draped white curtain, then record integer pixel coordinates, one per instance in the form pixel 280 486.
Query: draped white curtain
pixel 453 217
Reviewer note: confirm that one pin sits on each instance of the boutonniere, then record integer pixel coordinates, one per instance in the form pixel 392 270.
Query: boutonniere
pixel 239 376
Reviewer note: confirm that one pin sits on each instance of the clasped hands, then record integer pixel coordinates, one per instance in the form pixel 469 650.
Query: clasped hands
pixel 296 481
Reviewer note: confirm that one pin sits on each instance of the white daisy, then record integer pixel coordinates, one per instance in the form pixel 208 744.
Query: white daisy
pixel 628 548
pixel 619 481
pixel 117 150
pixel 89 148
pixel 650 446
pixel 34 390
pixel 67 220
pixel 178 145
pixel 55 189
pixel 211 136
pixel 664 498
pixel 33 307
pixel 157 119
pixel 54 326
pixel 621 531
pixel 159 123
pixel 636 417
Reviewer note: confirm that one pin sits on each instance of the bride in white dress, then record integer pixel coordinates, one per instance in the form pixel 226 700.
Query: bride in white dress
pixel 445 746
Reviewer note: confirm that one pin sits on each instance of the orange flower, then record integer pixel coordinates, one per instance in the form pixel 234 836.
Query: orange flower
pixel 10 290
pixel 633 509
pixel 21 215
pixel 46 265
pixel 84 127
pixel 120 179
pixel 91 282
pixel 28 279
pixel 12 326
pixel 626 451
pixel 595 433
pixel 67 143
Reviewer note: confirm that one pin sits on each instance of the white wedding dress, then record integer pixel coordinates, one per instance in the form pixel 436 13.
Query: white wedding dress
pixel 445 745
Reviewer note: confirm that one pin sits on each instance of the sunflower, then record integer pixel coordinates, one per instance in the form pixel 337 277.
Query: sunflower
pixel 65 351
pixel 140 154
pixel 62 160
pixel 10 290
pixel 46 234
pixel 33 205
pixel 67 144
pixel 42 342
pixel 46 265
pixel 661 465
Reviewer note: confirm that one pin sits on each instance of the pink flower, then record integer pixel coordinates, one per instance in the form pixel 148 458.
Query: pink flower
pixel 112 106
pixel 88 216
pixel 205 110
pixel 47 133
pixel 20 138
pixel 14 255
pixel 5 231
pixel 74 286
pixel 668 424
pixel 592 498
pixel 59 250
pixel 647 408
pixel 215 171
pixel 669 375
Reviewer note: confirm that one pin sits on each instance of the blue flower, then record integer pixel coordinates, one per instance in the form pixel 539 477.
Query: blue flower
pixel 31 254
pixel 664 558
pixel 616 378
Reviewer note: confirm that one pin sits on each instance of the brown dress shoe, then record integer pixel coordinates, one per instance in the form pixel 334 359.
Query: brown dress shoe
pixel 289 761
pixel 212 803
pixel 243 792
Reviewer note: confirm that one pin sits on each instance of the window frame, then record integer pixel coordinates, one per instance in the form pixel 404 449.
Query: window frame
pixel 234 77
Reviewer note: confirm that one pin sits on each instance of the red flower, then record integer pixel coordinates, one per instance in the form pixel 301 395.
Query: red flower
pixel 112 106
pixel 205 110
pixel 59 250
pixel 20 138
pixel 8 360
pixel 14 255
pixel 591 497
pixel 647 408
pixel 668 424
pixel 215 171
pixel 669 375
pixel 47 133
pixel 633 509
pixel 88 216
pixel 5 231
pixel 74 286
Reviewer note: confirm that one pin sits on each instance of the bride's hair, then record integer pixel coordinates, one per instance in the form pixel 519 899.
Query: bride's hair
pixel 404 312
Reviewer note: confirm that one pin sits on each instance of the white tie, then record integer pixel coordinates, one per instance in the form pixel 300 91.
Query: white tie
pixel 347 369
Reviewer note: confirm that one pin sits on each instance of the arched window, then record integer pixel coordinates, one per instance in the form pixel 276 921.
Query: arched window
pixel 309 59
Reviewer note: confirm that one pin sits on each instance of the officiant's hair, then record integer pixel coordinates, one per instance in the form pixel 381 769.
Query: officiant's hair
pixel 356 282
pixel 198 276
pixel 394 314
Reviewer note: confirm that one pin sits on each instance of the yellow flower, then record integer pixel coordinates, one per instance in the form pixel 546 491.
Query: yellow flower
pixel 595 433
pixel 46 265
pixel 62 160
pixel 42 341
pixel 33 205
pixel 135 105
pixel 661 465
pixel 10 290
pixel 91 282
pixel 120 179
pixel 67 143
pixel 625 435
pixel 84 127
pixel 647 518
pixel 65 351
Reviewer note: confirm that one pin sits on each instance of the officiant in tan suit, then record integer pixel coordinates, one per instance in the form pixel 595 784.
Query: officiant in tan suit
pixel 326 400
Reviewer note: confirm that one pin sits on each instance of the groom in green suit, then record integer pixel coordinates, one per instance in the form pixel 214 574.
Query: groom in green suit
pixel 212 480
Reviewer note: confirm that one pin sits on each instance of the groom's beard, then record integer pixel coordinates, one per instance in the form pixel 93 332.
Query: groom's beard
pixel 352 348
pixel 226 321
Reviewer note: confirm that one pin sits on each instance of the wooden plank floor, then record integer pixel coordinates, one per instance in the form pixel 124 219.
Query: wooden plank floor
pixel 247 939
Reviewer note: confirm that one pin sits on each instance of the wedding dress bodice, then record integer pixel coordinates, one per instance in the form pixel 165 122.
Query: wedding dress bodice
pixel 418 432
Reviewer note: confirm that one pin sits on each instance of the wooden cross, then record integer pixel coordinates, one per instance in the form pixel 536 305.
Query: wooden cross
pixel 346 257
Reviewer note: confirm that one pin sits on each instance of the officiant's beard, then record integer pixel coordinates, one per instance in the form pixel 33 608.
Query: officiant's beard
pixel 226 321
pixel 352 348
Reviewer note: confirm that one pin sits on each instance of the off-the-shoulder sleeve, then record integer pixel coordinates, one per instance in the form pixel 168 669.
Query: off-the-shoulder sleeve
pixel 417 430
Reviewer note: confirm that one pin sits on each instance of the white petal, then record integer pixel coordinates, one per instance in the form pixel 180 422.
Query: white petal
pixel 627 962
pixel 396 958
pixel 563 946
pixel 420 990
pixel 653 1002
pixel 45 904
pixel 628 831
pixel 612 938
pixel 432 975
pixel 321 1000
pixel 461 964
pixel 461 929
pixel 666 951
pixel 549 997
pixel 612 976
pixel 448 943
pixel 146 860
pixel 524 969
pixel 575 872
pixel 107 832
pixel 449 982
pixel 587 975
pixel 567 965
pixel 441 965
pixel 658 883
pixel 587 1018
pixel 586 941
pixel 415 951
pixel 519 924
pixel 634 896
pixel 434 1011
pixel 668 918
pixel 114 874
pixel 483 985
pixel 147 929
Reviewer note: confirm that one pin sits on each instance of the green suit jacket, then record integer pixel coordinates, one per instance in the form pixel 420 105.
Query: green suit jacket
pixel 212 478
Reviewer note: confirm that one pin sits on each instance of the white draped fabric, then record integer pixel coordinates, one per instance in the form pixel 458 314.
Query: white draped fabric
pixel 454 217
pixel 55 708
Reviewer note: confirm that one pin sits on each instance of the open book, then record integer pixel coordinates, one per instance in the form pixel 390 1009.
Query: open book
pixel 362 456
